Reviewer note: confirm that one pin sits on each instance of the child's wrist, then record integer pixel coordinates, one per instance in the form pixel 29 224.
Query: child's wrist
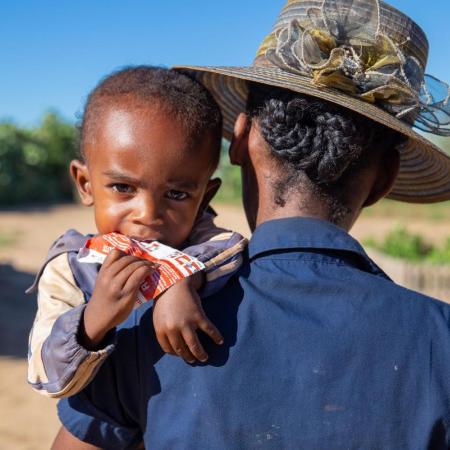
pixel 194 282
pixel 91 333
pixel 197 280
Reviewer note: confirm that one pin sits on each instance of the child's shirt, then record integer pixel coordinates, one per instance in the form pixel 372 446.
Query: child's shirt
pixel 58 366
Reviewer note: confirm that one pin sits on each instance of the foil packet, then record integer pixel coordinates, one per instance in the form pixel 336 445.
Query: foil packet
pixel 171 265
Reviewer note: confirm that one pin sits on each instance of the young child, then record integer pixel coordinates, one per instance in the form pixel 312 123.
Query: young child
pixel 150 141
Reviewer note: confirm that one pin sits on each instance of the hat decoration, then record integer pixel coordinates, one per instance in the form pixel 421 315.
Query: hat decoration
pixel 340 46
pixel 363 55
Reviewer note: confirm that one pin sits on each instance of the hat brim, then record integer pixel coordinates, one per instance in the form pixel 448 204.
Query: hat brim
pixel 424 175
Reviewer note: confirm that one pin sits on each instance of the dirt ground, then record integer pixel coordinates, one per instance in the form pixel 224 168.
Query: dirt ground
pixel 28 421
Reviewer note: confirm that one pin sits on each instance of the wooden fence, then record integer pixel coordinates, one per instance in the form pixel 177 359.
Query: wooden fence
pixel 431 279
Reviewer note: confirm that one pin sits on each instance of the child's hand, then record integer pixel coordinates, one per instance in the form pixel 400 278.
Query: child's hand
pixel 114 296
pixel 177 315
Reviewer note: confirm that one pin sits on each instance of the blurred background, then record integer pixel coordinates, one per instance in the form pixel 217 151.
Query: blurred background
pixel 53 53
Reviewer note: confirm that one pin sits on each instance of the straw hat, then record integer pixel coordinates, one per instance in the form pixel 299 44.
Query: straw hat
pixel 363 55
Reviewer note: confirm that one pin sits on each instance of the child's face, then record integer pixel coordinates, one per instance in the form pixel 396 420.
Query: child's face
pixel 143 175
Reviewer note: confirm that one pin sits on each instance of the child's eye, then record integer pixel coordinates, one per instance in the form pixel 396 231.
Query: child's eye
pixel 177 195
pixel 122 188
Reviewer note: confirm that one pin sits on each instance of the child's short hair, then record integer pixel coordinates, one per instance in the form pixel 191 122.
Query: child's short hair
pixel 187 100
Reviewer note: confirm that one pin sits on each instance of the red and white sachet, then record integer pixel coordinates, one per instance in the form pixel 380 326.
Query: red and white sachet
pixel 171 265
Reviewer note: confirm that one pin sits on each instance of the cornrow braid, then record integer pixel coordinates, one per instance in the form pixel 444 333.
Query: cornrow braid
pixel 313 137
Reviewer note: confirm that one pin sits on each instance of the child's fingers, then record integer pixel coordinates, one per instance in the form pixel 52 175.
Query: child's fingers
pixel 209 328
pixel 164 343
pixel 118 283
pixel 121 261
pixel 191 339
pixel 119 264
pixel 180 347
pixel 113 256
pixel 135 274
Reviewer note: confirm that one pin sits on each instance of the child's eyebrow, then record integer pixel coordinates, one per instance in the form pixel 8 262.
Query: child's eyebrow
pixel 183 184
pixel 122 177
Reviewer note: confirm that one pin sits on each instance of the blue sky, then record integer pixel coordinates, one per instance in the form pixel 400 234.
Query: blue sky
pixel 54 52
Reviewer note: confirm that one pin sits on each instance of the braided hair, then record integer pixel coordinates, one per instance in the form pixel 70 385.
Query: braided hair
pixel 314 138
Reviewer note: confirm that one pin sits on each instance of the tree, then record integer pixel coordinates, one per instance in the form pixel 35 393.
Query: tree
pixel 34 162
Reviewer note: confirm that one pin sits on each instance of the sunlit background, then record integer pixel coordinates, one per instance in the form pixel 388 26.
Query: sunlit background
pixel 52 54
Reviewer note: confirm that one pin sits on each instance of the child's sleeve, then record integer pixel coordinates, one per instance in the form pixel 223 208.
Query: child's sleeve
pixel 58 366
pixel 218 249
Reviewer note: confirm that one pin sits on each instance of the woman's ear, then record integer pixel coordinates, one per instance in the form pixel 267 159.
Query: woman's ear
pixel 239 140
pixel 388 168
pixel 81 178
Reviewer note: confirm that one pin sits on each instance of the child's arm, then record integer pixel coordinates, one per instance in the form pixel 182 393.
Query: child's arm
pixel 64 355
pixel 53 344
pixel 178 312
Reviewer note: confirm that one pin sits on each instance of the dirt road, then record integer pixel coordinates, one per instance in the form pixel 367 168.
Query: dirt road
pixel 28 421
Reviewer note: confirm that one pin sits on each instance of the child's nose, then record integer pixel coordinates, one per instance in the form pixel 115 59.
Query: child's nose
pixel 147 212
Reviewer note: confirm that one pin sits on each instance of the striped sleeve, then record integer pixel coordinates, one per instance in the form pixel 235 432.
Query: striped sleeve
pixel 219 249
pixel 58 366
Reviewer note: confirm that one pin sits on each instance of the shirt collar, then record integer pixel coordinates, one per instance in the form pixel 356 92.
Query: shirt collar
pixel 306 233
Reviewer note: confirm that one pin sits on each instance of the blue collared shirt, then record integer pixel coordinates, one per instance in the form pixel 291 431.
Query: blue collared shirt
pixel 322 351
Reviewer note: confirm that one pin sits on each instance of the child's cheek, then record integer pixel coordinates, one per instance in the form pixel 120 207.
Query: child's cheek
pixel 180 229
pixel 108 217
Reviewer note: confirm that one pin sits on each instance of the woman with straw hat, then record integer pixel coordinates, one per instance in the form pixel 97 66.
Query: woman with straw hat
pixel 322 350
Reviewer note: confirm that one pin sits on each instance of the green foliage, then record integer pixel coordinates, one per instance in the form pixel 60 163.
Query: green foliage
pixel 34 162
pixel 391 208
pixel 440 255
pixel 230 190
pixel 400 243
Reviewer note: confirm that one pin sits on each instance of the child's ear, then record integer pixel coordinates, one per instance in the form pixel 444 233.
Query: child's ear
pixel 211 191
pixel 80 176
